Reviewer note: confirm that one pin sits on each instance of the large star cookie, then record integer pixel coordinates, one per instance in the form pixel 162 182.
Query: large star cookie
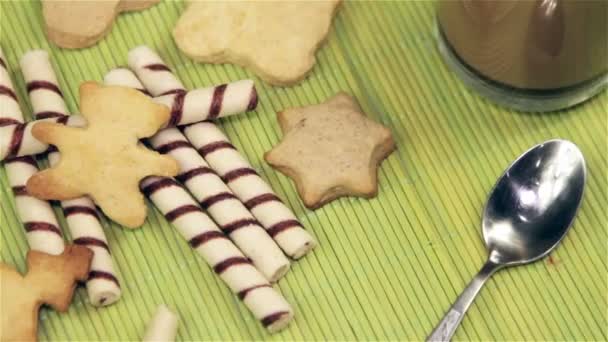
pixel 331 150
pixel 104 159
pixel 277 40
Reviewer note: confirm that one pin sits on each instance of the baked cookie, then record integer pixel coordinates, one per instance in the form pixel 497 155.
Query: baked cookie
pixel 104 160
pixel 330 150
pixel 276 40
pixel 50 279
pixel 77 24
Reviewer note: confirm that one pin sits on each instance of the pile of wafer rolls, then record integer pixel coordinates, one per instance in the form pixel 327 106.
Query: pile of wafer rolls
pixel 218 202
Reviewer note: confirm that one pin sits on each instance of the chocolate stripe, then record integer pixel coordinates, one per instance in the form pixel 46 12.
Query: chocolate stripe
pixel 20 191
pixel 177 109
pixel 63 120
pixel 263 198
pixel 8 122
pixel 216 101
pixel 186 176
pixel 91 241
pixel 157 67
pixel 38 85
pixel 212 147
pixel 206 236
pixel 3 63
pixel 48 114
pixel 243 293
pixel 79 209
pixel 166 148
pixel 211 200
pixel 164 182
pixel 179 211
pixel 41 226
pixel 226 264
pixel 238 224
pixel 253 99
pixel 143 91
pixel 8 92
pixel 270 319
pixel 23 159
pixel 103 275
pixel 236 173
pixel 173 91
pixel 277 228
pixel 15 144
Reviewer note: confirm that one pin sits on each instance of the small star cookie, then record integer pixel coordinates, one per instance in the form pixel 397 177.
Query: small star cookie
pixel 331 150
pixel 105 160
pixel 277 40
pixel 50 279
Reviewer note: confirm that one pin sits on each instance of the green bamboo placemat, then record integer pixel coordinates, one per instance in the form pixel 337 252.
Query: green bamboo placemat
pixel 386 268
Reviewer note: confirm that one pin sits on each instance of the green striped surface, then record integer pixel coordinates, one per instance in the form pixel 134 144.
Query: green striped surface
pixel 386 268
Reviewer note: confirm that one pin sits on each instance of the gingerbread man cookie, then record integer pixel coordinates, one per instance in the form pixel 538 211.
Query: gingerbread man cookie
pixel 104 160
pixel 50 279
pixel 275 39
pixel 331 150
pixel 81 23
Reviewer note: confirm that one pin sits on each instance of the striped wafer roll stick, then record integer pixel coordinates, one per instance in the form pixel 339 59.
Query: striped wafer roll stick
pixel 81 216
pixel 11 113
pixel 250 188
pixel 176 204
pixel 208 188
pixel 153 72
pixel 42 85
pixel 223 206
pixel 195 105
pixel 103 287
pixel 41 227
pixel 278 220
pixel 18 141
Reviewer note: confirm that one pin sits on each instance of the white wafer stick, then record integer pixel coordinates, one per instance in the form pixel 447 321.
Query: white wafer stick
pixel 195 105
pixel 162 326
pixel 249 187
pixel 18 141
pixel 41 227
pixel 278 220
pixel 11 113
pixel 225 208
pixel 103 287
pixel 153 72
pixel 266 304
pixel 42 85
pixel 215 197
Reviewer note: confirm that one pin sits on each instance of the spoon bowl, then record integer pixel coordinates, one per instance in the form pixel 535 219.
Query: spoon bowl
pixel 529 211
pixel 533 204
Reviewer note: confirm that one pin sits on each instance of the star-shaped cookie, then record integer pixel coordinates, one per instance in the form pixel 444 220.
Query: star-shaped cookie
pixel 331 150
pixel 104 160
pixel 277 40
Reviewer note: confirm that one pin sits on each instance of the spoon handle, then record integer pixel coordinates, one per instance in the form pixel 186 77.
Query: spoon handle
pixel 450 322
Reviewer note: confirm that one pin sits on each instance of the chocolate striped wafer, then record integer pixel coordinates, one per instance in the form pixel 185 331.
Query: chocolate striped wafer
pixel 195 105
pixel 17 140
pixel 41 226
pixel 265 303
pixel 278 220
pixel 103 287
pixel 250 188
pixel 215 197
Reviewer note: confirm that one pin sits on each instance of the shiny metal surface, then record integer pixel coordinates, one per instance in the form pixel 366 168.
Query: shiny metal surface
pixel 529 211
